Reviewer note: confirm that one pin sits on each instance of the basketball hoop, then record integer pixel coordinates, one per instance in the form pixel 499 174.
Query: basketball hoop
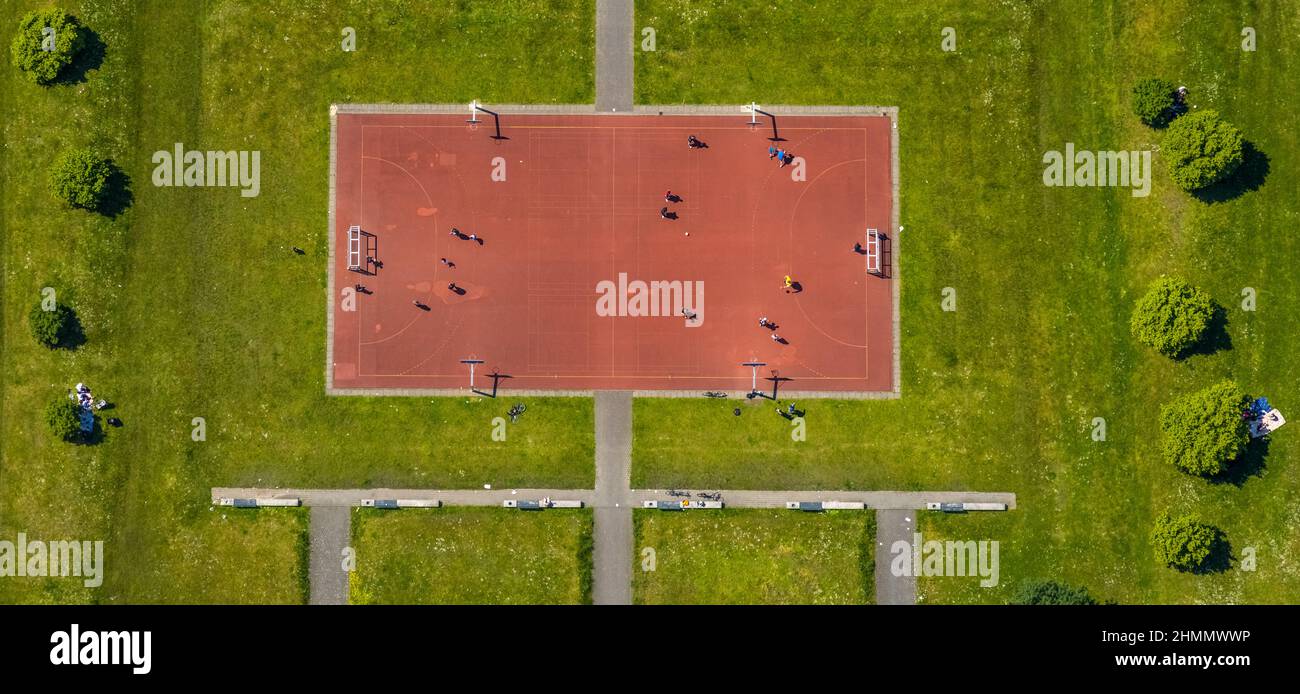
pixel 752 109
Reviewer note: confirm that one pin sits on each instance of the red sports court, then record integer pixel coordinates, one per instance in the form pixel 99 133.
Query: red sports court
pixel 574 280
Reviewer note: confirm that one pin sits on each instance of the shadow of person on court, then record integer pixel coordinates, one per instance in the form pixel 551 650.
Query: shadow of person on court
pixel 795 287
pixel 456 289
pixel 420 305
pixel 667 214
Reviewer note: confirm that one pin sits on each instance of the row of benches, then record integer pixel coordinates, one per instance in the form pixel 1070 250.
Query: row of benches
pixel 662 505
pixel 398 503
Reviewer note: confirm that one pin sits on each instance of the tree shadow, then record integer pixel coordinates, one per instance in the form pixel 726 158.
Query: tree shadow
pixel 73 333
pixel 94 437
pixel 1220 558
pixel 1169 115
pixel 90 57
pixel 117 194
pixel 1247 465
pixel 1249 176
pixel 1216 338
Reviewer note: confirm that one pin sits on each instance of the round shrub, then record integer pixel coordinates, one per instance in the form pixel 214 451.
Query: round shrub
pixel 1183 542
pixel 51 328
pixel 1204 432
pixel 28 48
pixel 1172 316
pixel 1153 101
pixel 80 177
pixel 1203 149
pixel 1051 593
pixel 63 417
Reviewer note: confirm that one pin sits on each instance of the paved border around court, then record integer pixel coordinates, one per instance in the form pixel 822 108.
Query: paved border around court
pixel 895 278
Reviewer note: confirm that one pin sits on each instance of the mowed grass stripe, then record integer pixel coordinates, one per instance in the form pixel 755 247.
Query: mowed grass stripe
pixel 754 556
pixel 471 556
pixel 195 305
pixel 1001 395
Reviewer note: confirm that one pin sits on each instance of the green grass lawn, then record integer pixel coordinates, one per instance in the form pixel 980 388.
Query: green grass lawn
pixel 753 556
pixel 194 304
pixel 471 556
pixel 1000 395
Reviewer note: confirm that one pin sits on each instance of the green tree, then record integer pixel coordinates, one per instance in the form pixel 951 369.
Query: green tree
pixel 1202 149
pixel 1153 101
pixel 80 177
pixel 1204 431
pixel 1172 316
pixel 29 45
pixel 1184 542
pixel 63 417
pixel 51 328
pixel 1051 593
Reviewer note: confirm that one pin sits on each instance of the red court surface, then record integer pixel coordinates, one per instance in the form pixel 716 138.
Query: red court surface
pixel 580 206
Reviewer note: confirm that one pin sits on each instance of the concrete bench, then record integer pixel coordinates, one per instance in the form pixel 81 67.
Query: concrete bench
pixel 257 503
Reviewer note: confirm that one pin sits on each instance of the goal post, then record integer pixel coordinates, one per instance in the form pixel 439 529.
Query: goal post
pixel 354 247
pixel 873 251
